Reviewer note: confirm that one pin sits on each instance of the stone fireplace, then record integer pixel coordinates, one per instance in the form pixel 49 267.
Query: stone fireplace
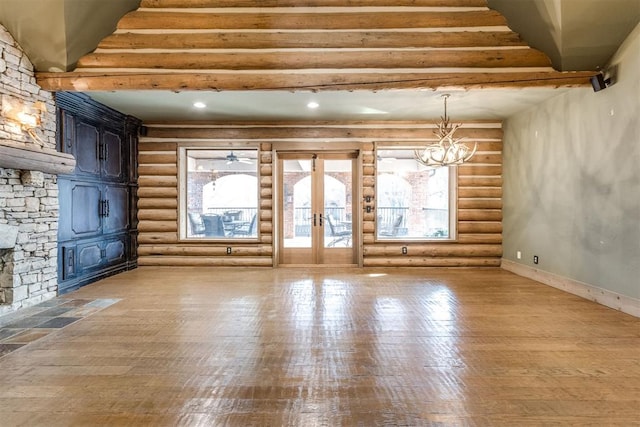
pixel 29 206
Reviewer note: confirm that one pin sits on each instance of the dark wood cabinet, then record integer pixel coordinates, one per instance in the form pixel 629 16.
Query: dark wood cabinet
pixel 115 209
pixel 87 161
pixel 100 150
pixel 92 258
pixel 112 157
pixel 80 205
pixel 97 232
pixel 97 208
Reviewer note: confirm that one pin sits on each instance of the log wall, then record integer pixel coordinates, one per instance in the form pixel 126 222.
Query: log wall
pixel 479 192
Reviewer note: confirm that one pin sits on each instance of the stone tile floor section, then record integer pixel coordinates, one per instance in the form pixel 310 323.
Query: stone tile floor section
pixel 30 324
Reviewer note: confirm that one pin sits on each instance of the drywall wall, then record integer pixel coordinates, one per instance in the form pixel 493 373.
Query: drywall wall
pixel 30 25
pixel 575 34
pixel 572 182
pixel 85 26
pixel 55 33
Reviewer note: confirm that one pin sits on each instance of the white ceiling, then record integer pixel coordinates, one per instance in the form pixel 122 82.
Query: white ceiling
pixel 488 104
pixel 571 32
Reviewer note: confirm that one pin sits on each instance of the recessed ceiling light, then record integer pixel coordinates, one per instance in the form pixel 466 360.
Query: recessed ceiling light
pixel 199 104
pixel 312 105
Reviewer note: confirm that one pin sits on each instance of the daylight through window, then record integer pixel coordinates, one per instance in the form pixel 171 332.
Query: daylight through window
pixel 412 201
pixel 220 193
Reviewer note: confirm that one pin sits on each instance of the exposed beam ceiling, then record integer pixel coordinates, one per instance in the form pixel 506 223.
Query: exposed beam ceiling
pixel 557 27
pixel 319 44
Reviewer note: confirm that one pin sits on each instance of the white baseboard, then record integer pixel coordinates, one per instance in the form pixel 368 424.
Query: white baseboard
pixel 607 298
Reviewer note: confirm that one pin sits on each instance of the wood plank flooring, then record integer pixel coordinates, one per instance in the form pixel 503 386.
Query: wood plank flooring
pixel 314 347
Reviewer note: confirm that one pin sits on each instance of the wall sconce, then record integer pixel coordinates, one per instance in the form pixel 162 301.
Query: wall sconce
pixel 26 116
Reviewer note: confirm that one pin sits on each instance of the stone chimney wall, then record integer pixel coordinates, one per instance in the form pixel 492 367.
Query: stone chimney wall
pixel 28 199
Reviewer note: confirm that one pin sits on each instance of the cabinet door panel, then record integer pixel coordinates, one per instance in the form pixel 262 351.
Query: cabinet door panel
pixel 117 215
pixel 115 251
pixel 89 256
pixel 79 209
pixel 85 211
pixel 112 162
pixel 86 149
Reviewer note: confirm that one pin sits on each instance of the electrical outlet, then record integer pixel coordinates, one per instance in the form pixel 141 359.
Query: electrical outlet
pixel 404 250
pixel 519 255
pixel 535 259
pixel 228 250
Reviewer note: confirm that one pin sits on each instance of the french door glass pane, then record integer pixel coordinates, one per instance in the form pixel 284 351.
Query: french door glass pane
pixel 338 203
pixel 297 214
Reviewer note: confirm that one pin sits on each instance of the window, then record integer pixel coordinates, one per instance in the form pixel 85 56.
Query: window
pixel 218 193
pixel 412 201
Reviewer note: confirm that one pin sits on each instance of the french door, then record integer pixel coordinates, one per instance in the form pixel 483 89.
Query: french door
pixel 317 205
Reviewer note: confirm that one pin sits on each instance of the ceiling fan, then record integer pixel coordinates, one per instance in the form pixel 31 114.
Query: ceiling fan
pixel 232 158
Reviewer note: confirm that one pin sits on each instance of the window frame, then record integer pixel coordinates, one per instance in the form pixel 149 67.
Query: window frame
pixel 452 199
pixel 183 170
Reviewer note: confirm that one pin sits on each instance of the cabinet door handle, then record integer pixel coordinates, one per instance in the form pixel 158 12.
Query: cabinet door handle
pixel 320 220
pixel 103 208
pixel 314 220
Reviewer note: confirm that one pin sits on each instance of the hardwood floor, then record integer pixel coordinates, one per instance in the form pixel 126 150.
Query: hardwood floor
pixel 327 347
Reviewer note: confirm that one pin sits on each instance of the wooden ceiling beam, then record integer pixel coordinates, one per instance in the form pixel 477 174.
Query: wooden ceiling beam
pixel 113 80
pixel 315 40
pixel 192 4
pixel 344 60
pixel 317 20
pixel 305 39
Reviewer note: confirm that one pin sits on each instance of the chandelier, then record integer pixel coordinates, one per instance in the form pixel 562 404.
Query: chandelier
pixel 448 151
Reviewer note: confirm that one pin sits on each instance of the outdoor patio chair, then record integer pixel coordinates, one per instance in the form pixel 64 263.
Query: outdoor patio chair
pixel 213 225
pixel 247 229
pixel 195 221
pixel 339 233
pixel 395 227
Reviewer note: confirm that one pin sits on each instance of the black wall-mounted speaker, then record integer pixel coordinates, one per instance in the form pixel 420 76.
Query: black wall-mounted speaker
pixel 598 82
